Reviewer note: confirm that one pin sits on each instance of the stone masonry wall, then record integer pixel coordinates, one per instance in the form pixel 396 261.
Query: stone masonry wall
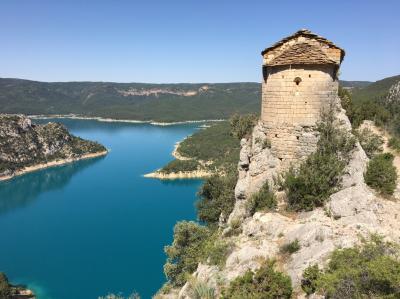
pixel 290 111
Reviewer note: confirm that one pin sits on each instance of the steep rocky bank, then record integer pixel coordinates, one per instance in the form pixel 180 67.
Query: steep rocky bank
pixel 25 146
pixel 353 212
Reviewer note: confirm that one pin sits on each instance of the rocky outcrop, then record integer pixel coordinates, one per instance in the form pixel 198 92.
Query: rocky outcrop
pixel 25 146
pixel 355 211
pixel 394 93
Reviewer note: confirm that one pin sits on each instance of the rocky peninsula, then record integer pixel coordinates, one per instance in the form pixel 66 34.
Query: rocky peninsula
pixel 26 146
pixel 9 291
pixel 209 151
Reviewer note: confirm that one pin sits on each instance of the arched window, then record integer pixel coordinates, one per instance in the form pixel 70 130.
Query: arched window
pixel 297 80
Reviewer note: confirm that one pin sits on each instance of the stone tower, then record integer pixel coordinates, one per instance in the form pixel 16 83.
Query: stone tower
pixel 299 80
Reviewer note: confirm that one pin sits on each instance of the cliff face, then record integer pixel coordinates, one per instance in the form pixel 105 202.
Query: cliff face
pixel 352 212
pixel 394 93
pixel 24 144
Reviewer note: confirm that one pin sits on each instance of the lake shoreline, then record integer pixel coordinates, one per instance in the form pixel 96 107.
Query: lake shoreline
pixel 52 164
pixel 106 119
pixel 197 174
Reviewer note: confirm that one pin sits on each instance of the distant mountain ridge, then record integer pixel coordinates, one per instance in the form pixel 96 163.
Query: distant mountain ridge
pixel 376 90
pixel 136 101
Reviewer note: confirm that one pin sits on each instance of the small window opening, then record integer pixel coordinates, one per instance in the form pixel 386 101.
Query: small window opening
pixel 309 76
pixel 280 159
pixel 297 137
pixel 297 80
pixel 305 102
pixel 276 135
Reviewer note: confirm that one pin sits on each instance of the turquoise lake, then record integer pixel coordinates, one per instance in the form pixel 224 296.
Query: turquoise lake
pixel 97 226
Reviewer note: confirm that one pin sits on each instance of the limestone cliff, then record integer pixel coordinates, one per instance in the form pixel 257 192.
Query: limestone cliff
pixel 25 146
pixel 300 88
pixel 354 211
pixel 394 93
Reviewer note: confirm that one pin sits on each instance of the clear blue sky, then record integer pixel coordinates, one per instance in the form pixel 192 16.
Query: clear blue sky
pixel 186 41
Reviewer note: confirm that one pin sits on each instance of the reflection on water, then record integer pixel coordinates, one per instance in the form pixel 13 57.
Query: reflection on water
pixel 24 189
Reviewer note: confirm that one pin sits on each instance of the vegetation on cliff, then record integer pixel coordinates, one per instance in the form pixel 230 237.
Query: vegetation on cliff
pixel 263 200
pixel 307 187
pixel 381 174
pixel 24 144
pixel 265 283
pixel 371 270
pixel 217 198
pixel 320 174
pixel 193 243
pixel 242 126
pixel 370 142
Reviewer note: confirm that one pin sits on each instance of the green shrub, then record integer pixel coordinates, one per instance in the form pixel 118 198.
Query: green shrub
pixel 290 247
pixel 320 174
pixel 310 278
pixel 264 199
pixel 242 125
pixel 316 179
pixel 185 252
pixel 394 143
pixel 265 283
pixel 370 142
pixel 215 251
pixel 368 271
pixel 346 101
pixel 381 174
pixel 193 243
pixel 217 196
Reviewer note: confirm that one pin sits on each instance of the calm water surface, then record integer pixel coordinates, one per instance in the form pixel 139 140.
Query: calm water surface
pixel 96 226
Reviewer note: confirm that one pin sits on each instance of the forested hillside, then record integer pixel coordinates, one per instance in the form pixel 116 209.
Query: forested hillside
pixel 136 101
pixel 159 102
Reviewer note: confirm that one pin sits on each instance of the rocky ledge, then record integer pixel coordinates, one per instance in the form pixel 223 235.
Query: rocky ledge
pixel 9 291
pixel 25 146
pixel 352 213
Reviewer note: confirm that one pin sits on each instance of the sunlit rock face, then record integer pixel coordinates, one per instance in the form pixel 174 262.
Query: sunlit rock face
pixel 23 144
